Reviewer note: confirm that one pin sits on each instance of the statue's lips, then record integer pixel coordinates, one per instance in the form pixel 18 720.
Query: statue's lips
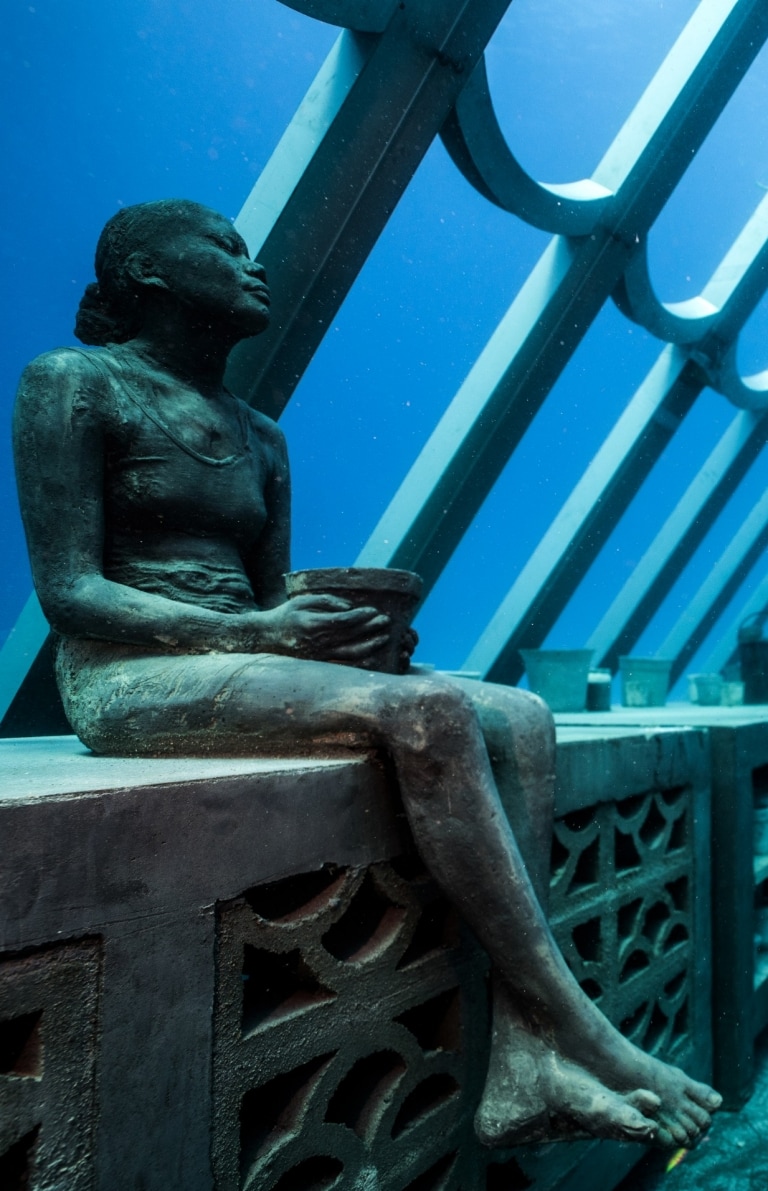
pixel 259 291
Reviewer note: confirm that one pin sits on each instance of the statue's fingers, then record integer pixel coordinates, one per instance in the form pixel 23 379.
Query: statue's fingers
pixel 351 626
pixel 410 641
pixel 367 616
pixel 359 650
pixel 321 603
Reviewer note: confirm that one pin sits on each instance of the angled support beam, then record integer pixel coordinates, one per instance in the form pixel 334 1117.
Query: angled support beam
pixel 326 194
pixel 29 700
pixel 20 650
pixel 338 173
pixel 366 16
pixel 470 446
pixel 678 538
pixel 580 529
pixel 715 593
pixel 382 95
pixel 464 456
pixel 575 538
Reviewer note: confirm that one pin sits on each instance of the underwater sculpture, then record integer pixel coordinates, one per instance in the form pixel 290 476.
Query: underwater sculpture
pixel 156 507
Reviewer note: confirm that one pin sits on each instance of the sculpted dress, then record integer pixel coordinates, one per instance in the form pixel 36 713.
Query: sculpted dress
pixel 177 524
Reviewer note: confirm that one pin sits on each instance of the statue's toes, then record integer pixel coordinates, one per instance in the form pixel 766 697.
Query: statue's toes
pixel 646 1102
pixel 700 1116
pixel 664 1139
pixel 678 1132
pixel 634 1125
pixel 695 1131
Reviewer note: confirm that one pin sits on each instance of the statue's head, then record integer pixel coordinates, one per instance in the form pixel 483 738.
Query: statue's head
pixel 172 250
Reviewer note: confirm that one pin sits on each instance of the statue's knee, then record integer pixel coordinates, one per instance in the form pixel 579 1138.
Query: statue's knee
pixel 520 721
pixel 519 707
pixel 432 713
pixel 539 717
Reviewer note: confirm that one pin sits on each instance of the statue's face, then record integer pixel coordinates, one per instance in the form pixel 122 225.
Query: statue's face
pixel 205 265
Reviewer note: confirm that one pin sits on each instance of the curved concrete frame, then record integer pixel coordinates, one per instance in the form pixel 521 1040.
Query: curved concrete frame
pixel 399 75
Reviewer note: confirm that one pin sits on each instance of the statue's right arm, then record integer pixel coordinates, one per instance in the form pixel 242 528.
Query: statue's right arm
pixel 60 436
pixel 60 431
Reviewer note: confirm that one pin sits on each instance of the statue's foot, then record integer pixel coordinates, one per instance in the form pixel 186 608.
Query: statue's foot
pixel 685 1105
pixel 533 1094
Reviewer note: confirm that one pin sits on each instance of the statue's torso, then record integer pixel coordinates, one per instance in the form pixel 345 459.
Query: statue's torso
pixel 179 521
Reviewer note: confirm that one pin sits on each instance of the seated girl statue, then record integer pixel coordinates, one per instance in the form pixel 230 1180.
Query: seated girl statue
pixel 156 507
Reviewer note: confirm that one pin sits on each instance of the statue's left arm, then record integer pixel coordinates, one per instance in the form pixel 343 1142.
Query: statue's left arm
pixel 270 557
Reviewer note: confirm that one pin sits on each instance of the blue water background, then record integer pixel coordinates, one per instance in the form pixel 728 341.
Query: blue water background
pixel 141 99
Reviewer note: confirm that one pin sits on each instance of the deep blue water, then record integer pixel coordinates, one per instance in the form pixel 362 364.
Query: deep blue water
pixel 141 99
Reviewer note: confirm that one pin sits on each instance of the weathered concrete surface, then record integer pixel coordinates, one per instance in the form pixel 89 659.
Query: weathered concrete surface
pixel 49 1005
pixel 139 860
pixel 738 744
pixel 135 856
pixel 189 841
pixel 615 760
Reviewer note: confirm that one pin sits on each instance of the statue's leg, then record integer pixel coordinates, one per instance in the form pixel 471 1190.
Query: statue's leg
pixel 557 1065
pixel 519 735
pixel 428 724
pixel 531 1092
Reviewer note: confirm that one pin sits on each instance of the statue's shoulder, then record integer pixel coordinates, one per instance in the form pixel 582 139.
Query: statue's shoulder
pixel 59 386
pixel 267 430
pixel 67 366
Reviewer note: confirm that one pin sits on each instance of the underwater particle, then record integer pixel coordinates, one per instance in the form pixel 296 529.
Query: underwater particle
pixel 675 1160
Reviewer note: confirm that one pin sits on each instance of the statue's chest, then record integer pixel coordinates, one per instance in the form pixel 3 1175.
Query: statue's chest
pixel 189 473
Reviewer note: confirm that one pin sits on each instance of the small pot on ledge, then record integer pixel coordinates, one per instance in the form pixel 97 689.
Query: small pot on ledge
pixel 644 681
pixel 559 676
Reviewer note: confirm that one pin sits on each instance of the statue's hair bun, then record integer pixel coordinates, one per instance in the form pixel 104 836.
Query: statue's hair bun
pixel 111 307
pixel 95 322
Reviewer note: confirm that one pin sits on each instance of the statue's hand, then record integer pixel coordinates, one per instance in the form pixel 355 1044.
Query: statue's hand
pixel 323 628
pixel 407 645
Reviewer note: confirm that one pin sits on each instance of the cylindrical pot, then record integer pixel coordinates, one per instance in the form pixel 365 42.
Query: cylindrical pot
pixel 705 689
pixel 754 670
pixel 733 693
pixel 644 681
pixel 395 593
pixel 559 676
pixel 599 690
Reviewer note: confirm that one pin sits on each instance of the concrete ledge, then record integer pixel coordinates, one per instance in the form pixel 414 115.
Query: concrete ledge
pixel 737 739
pixel 136 854
pixel 603 762
pixel 158 836
pixel 140 881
